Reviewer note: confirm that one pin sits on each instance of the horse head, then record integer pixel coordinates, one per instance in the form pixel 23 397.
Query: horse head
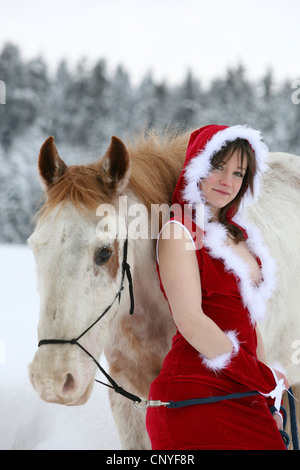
pixel 79 253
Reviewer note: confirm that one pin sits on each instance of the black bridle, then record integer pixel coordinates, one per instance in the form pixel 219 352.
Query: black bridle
pixel 112 384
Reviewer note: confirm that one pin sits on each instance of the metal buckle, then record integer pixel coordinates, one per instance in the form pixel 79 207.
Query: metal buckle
pixel 144 404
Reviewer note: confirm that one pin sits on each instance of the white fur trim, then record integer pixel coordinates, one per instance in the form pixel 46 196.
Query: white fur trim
pixel 200 166
pixel 254 297
pixel 223 360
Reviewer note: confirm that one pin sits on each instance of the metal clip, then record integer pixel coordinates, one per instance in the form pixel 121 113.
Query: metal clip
pixel 144 404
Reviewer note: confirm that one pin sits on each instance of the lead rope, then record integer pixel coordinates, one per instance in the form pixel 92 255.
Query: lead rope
pixel 214 399
pixel 293 420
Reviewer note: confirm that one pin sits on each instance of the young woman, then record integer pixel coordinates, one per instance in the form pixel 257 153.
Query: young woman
pixel 217 292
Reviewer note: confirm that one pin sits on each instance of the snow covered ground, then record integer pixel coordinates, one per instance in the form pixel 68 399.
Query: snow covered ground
pixel 26 422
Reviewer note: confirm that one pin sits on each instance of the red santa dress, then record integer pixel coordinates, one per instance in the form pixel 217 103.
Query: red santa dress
pixel 235 304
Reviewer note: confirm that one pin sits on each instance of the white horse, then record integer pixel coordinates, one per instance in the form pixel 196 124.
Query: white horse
pixel 79 252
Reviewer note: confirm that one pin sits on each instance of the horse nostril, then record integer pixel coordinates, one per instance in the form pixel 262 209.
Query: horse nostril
pixel 69 383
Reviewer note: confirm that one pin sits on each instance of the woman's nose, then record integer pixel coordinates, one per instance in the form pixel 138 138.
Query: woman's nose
pixel 226 180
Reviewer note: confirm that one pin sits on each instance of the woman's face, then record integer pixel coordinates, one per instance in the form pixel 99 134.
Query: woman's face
pixel 224 182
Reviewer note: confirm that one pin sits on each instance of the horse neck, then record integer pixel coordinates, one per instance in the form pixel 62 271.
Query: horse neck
pixel 141 249
pixel 150 304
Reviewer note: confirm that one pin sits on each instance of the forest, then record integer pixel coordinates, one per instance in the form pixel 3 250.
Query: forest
pixel 83 106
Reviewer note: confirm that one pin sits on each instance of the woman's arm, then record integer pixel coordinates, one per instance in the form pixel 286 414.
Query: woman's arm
pixel 260 350
pixel 180 277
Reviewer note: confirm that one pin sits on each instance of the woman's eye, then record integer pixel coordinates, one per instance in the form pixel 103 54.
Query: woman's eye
pixel 102 255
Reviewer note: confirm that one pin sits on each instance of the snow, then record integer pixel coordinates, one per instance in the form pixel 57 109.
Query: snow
pixel 26 422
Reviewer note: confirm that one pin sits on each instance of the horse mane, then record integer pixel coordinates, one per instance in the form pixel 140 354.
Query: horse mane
pixel 80 184
pixel 156 161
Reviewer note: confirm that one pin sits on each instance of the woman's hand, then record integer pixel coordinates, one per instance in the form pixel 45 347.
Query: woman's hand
pixel 278 420
pixel 276 416
pixel 280 376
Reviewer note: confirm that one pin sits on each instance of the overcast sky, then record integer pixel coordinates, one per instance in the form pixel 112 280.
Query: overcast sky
pixel 165 36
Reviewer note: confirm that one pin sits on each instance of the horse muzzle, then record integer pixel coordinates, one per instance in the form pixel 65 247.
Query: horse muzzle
pixel 59 379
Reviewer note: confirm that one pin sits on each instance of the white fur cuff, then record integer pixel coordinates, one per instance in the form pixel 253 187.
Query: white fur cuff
pixel 222 360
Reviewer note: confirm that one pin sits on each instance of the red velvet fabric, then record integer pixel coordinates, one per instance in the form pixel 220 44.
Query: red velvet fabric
pixel 244 423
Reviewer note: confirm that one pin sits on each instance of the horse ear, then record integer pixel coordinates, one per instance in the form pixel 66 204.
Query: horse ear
pixel 116 165
pixel 51 166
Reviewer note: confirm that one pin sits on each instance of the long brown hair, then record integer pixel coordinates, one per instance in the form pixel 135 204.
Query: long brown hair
pixel 245 150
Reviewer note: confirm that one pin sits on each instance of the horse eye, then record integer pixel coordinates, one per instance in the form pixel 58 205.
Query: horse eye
pixel 102 255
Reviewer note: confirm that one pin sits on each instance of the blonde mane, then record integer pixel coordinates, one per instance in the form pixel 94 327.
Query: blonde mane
pixel 156 161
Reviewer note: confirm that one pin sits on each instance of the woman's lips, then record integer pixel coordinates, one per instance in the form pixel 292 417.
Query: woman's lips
pixel 223 193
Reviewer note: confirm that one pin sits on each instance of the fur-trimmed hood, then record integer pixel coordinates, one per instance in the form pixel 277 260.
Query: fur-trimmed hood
pixel 203 144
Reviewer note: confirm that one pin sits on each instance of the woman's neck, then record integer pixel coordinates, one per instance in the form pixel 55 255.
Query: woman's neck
pixel 214 214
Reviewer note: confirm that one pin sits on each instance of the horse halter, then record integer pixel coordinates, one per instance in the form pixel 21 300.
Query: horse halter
pixel 113 384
